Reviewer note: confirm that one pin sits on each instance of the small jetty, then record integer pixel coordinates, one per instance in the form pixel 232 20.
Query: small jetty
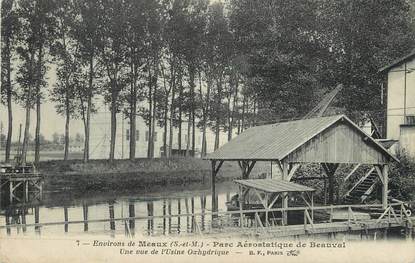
pixel 21 182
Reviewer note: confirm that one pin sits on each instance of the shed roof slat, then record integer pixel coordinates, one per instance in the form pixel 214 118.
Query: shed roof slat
pixel 274 185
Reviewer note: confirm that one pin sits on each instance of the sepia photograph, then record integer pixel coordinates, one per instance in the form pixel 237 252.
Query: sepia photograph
pixel 207 130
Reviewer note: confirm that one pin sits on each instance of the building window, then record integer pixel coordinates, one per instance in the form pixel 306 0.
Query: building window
pixel 127 134
pixel 155 136
pixel 147 136
pixel 137 135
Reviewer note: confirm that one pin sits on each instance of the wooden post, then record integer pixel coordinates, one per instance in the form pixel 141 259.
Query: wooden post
pixel 241 201
pixel 266 210
pixel 24 219
pixel 330 169
pixel 169 213
pixel 312 206
pixel 385 186
pixel 192 207
pixel 11 191
pixel 213 182
pixel 331 188
pixel 7 217
pixel 65 215
pixel 150 222
pixel 285 172
pixel 85 213
pixel 179 212
pixel 131 213
pixel 37 228
pixel 215 170
pixel 111 211
pixel 26 188
pixel 164 217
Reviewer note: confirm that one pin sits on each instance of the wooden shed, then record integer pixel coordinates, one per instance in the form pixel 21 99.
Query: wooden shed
pixel 329 141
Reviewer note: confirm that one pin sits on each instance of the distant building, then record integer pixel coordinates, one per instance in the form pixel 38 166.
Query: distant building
pixel 101 134
pixel 76 147
pixel 400 103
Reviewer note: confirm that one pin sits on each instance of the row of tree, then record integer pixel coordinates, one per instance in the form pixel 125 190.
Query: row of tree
pixel 193 63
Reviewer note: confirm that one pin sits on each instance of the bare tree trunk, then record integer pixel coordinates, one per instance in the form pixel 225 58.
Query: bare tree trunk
pixel 28 106
pixel 26 132
pixel 205 113
pixel 228 106
pixel 150 112
pixel 88 109
pixel 218 102
pixel 9 103
pixel 172 110
pixel 67 115
pixel 192 108
pixel 189 123
pixel 133 110
pixel 166 110
pixel 180 111
pixel 38 96
pixel 153 124
pixel 234 106
pixel 114 96
pixel 153 130
pixel 243 114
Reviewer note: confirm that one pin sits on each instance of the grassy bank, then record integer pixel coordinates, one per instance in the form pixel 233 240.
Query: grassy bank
pixel 100 175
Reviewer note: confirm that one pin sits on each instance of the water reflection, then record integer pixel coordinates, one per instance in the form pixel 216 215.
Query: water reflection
pixel 88 212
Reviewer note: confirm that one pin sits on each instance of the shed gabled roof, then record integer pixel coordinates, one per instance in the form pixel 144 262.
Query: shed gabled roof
pixel 277 141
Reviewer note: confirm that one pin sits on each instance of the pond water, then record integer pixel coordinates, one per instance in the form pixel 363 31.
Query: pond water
pixel 65 206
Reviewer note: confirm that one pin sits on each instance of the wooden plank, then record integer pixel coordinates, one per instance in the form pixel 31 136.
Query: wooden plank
pixel 351 172
pixel 385 186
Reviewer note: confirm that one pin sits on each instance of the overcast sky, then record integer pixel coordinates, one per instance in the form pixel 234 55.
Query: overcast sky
pixel 51 122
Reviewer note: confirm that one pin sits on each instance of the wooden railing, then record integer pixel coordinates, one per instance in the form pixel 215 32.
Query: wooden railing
pixel 394 213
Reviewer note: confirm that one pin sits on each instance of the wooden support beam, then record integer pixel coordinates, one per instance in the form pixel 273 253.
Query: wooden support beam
pixel 293 168
pixel 246 168
pixel 274 201
pixel 379 172
pixel 266 210
pixel 330 169
pixel 279 165
pixel 262 200
pixel 285 173
pixel 241 201
pixel 351 172
pixel 385 183
pixel 26 191
pixel 215 170
pixel 249 169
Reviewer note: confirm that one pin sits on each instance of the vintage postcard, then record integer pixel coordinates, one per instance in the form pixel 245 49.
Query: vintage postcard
pixel 207 131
